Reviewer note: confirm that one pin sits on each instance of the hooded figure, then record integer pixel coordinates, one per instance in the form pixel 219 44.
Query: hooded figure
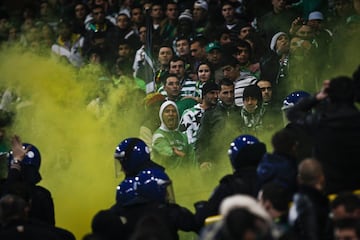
pixel 170 147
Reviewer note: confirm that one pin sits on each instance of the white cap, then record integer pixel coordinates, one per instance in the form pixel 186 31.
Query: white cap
pixel 274 39
pixel 201 3
pixel 316 16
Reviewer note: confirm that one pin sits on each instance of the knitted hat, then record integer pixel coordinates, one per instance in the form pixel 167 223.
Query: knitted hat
pixel 186 15
pixel 274 39
pixel 201 3
pixel 316 16
pixel 208 87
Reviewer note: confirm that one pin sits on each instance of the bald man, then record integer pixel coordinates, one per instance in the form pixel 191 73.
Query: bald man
pixel 309 215
pixel 310 173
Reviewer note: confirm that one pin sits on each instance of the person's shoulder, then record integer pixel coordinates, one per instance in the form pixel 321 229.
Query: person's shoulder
pixel 208 113
pixel 236 109
pixel 187 101
pixel 42 190
pixel 159 131
pixel 189 82
pixel 158 134
pixel 37 232
pixel 189 112
pixel 182 136
pixel 170 205
pixel 344 114
pixel 64 234
pixel 227 179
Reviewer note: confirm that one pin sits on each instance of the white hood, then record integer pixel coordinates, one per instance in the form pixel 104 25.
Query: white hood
pixel 163 106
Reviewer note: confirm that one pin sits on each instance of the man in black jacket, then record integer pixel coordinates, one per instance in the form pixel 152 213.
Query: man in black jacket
pixel 334 124
pixel 309 213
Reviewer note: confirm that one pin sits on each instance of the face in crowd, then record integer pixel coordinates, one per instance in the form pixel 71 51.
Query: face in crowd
pixel 183 47
pixel 226 94
pixel 250 104
pixel 178 68
pixel 211 98
pixel 282 44
pixel 231 72
pixel 204 73
pixel 172 87
pixel 165 55
pixel 266 90
pixel 242 55
pixel 170 117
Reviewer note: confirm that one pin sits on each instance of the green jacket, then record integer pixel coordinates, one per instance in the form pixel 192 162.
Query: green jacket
pixel 164 140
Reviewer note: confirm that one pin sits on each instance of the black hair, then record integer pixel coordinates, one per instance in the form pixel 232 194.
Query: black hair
pixel 152 226
pixel 227 2
pixel 226 82
pixel 350 201
pixel 253 91
pixel 239 221
pixel 341 89
pixel 283 141
pixel 177 58
pixel 107 225
pixel 182 37
pixel 211 67
pixel 167 45
pixel 124 41
pixel 170 75
pixel 230 60
pixel 205 63
pixel 136 6
pixel 220 31
pixel 244 44
pixel 203 41
pixel 97 6
pixel 277 194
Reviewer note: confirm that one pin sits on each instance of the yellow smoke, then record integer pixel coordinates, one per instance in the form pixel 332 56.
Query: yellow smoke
pixel 76 147
pixel 76 144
